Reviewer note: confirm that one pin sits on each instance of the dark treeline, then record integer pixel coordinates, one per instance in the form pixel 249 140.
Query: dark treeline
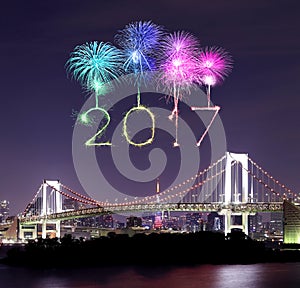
pixel 153 249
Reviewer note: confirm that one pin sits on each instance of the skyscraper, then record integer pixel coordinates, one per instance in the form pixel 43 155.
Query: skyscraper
pixel 4 210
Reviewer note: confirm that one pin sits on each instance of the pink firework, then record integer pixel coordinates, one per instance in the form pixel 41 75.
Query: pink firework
pixel 214 64
pixel 178 66
pixel 178 60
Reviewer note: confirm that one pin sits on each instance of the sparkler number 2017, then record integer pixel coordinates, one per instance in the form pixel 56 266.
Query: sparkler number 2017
pixel 144 47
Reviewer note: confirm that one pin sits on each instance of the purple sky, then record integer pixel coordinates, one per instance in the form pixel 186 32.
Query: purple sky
pixel 260 98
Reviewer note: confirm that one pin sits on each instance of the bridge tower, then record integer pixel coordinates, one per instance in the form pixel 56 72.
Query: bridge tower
pixel 51 203
pixel 236 190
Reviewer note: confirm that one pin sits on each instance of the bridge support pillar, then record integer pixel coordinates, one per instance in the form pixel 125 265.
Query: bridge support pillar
pixel 44 229
pixel 227 221
pixel 245 217
pixel 27 231
pixel 55 230
pixel 228 225
pixel 57 227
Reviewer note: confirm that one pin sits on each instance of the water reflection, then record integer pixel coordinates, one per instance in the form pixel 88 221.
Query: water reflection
pixel 246 276
pixel 276 275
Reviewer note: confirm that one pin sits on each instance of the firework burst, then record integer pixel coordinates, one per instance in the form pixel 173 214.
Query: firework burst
pixel 214 64
pixel 94 64
pixel 140 41
pixel 178 60
pixel 178 67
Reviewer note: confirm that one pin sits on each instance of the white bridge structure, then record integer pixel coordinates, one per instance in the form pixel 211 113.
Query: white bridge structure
pixel 234 186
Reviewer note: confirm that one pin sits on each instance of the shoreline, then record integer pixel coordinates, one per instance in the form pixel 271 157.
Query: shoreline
pixel 146 250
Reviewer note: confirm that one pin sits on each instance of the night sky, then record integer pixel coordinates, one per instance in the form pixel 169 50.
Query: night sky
pixel 260 99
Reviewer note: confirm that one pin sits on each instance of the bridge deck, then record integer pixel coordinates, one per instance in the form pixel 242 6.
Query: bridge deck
pixel 176 207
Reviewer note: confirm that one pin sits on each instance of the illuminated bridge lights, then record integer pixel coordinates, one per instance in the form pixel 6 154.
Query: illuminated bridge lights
pixel 33 210
pixel 202 207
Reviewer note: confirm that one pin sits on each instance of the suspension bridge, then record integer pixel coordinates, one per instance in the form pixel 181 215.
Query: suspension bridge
pixel 234 185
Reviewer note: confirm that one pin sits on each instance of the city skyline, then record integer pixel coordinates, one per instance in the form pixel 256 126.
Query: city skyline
pixel 259 99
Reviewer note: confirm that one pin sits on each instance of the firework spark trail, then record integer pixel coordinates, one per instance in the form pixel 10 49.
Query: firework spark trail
pixel 146 47
pixel 140 42
pixel 178 66
pixel 216 110
pixel 213 65
pixel 94 65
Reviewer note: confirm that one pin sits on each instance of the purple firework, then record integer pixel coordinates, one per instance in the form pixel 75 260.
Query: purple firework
pixel 214 64
pixel 178 66
pixel 178 60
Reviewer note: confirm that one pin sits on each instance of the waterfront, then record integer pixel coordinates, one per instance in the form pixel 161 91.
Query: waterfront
pixel 205 276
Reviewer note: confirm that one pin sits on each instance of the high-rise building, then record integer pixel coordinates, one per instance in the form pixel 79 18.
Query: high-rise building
pixel 4 210
pixel 193 221
pixel 253 223
pixel 158 221
pixel 276 223
pixel 108 221
pixel 215 222
pixel 291 223
pixel 133 221
pixel 256 228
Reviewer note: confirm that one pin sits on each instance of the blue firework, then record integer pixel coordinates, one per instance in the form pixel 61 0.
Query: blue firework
pixel 140 42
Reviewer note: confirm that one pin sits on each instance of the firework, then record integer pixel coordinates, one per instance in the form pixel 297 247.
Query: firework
pixel 178 66
pixel 214 64
pixel 86 119
pixel 94 65
pixel 140 41
pixel 214 109
pixel 138 109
